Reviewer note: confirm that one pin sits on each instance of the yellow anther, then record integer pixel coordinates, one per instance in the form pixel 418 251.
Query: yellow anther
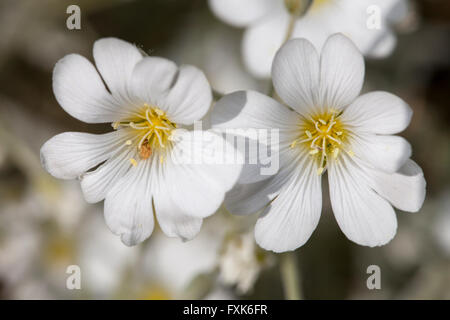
pixel 133 162
pixel 161 159
pixel 152 128
pixel 351 153
pixel 324 137
pixel 115 125
pixel 308 134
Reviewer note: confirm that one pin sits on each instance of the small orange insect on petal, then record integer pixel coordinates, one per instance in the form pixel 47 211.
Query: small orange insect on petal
pixel 145 151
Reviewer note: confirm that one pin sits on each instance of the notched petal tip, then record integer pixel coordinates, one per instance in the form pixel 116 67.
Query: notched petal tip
pixel 342 72
pixel 296 75
pixel 112 41
pixel 189 97
pixel 130 239
pixel 339 36
pixel 364 216
pixel 80 91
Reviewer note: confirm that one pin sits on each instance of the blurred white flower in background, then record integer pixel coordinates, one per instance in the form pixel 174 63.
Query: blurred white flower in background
pixel 19 246
pixel 36 233
pixel 36 30
pixel 441 225
pixel 178 269
pixel 64 203
pixel 103 259
pixel 241 262
pixel 329 128
pixel 149 99
pixel 171 264
pixel 267 21
pixel 49 227
pixel 35 249
pixel 217 56
pixel 33 289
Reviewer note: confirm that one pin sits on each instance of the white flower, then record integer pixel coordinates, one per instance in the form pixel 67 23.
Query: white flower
pixel 241 262
pixel 266 23
pixel 330 128
pixel 102 258
pixel 145 99
pixel 172 265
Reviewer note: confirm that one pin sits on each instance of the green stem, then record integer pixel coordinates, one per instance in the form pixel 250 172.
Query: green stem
pixel 290 29
pixel 290 276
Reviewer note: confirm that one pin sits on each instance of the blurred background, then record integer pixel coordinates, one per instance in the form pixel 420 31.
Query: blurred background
pixel 46 226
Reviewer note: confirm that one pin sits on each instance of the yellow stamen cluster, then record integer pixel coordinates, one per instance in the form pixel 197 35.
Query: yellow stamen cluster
pixel 325 136
pixel 153 130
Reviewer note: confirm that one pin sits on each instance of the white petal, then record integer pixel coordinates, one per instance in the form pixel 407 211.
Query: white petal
pixel 190 97
pixel 194 191
pixel 261 124
pixel 81 92
pixel 248 198
pixel 241 13
pixel 387 9
pixel 152 78
pixel 383 46
pixel 398 10
pixel 378 112
pixel 404 189
pixel 68 155
pixel 295 73
pixel 96 184
pixel 197 172
pixel 313 27
pixel 353 19
pixel 364 216
pixel 251 109
pixel 174 222
pixel 341 72
pixel 115 60
pixel 387 153
pixel 183 93
pixel 261 42
pixel 128 205
pixel 288 222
